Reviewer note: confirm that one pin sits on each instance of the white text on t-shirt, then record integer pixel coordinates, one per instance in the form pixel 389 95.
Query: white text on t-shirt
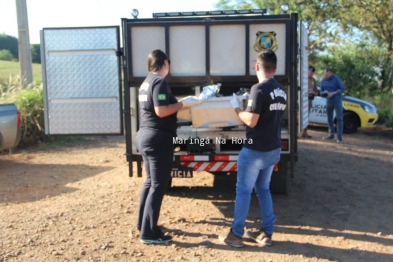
pixel 278 92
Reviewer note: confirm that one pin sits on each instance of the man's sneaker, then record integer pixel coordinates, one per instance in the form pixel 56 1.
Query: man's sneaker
pixel 161 240
pixel 328 138
pixel 231 240
pixel 261 238
pixel 340 140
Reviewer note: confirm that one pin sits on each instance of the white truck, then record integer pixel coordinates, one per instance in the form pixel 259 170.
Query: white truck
pixel 91 83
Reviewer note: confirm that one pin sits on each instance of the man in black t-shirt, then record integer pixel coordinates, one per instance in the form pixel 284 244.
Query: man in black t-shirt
pixel 265 107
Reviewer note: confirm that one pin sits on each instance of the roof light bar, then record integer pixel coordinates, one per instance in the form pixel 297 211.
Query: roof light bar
pixel 174 14
pixel 229 12
pixel 218 12
pixel 160 14
pixel 259 11
pixel 210 13
pixel 201 13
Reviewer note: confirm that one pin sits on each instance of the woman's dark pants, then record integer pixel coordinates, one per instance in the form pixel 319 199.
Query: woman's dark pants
pixel 156 147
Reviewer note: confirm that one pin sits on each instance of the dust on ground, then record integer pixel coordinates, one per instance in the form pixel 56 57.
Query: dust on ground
pixel 76 202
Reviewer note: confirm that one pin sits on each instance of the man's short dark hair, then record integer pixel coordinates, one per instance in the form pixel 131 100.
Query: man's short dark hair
pixel 329 69
pixel 267 59
pixel 311 68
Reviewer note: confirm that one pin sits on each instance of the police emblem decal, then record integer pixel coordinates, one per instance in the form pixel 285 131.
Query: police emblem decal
pixel 265 40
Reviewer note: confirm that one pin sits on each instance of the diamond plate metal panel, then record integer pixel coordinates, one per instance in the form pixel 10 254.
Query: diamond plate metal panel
pixel 80 39
pixel 82 74
pixel 303 76
pixel 84 118
pixel 82 81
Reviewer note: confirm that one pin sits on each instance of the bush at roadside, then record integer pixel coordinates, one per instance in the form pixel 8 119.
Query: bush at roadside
pixel 385 110
pixel 6 55
pixel 29 102
pixel 385 117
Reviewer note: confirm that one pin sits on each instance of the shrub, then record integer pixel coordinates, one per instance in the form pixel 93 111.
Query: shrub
pixel 385 111
pixel 29 102
pixel 382 100
pixel 385 117
pixel 6 55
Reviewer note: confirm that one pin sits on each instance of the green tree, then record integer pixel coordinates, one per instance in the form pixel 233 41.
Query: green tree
pixel 373 16
pixel 9 43
pixel 6 55
pixel 36 53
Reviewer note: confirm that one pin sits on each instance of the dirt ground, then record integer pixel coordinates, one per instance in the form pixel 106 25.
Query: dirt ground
pixel 76 202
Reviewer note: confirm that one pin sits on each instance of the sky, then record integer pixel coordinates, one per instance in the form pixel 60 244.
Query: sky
pixel 80 13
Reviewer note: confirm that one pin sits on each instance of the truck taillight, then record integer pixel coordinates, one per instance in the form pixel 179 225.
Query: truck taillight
pixel 19 119
pixel 275 168
pixel 284 145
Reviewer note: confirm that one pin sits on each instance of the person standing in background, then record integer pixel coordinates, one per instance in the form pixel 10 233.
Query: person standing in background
pixel 312 91
pixel 332 88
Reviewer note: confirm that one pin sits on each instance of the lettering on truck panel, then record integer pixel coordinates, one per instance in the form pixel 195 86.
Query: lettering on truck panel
pixel 319 110
pixel 180 173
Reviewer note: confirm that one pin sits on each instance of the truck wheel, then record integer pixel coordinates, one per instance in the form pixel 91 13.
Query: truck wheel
pixel 351 123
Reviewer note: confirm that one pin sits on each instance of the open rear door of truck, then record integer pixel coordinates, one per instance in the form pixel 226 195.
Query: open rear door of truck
pixel 303 77
pixel 82 80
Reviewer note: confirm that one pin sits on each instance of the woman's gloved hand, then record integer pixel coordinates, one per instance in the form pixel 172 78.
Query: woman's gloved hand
pixel 190 101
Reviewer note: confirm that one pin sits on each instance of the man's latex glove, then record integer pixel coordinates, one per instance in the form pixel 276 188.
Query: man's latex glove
pixel 190 101
pixel 234 101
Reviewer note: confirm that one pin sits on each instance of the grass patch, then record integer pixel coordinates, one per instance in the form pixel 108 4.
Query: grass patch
pixel 11 69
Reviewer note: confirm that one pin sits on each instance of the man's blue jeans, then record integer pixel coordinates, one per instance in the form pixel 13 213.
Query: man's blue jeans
pixel 254 171
pixel 338 107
